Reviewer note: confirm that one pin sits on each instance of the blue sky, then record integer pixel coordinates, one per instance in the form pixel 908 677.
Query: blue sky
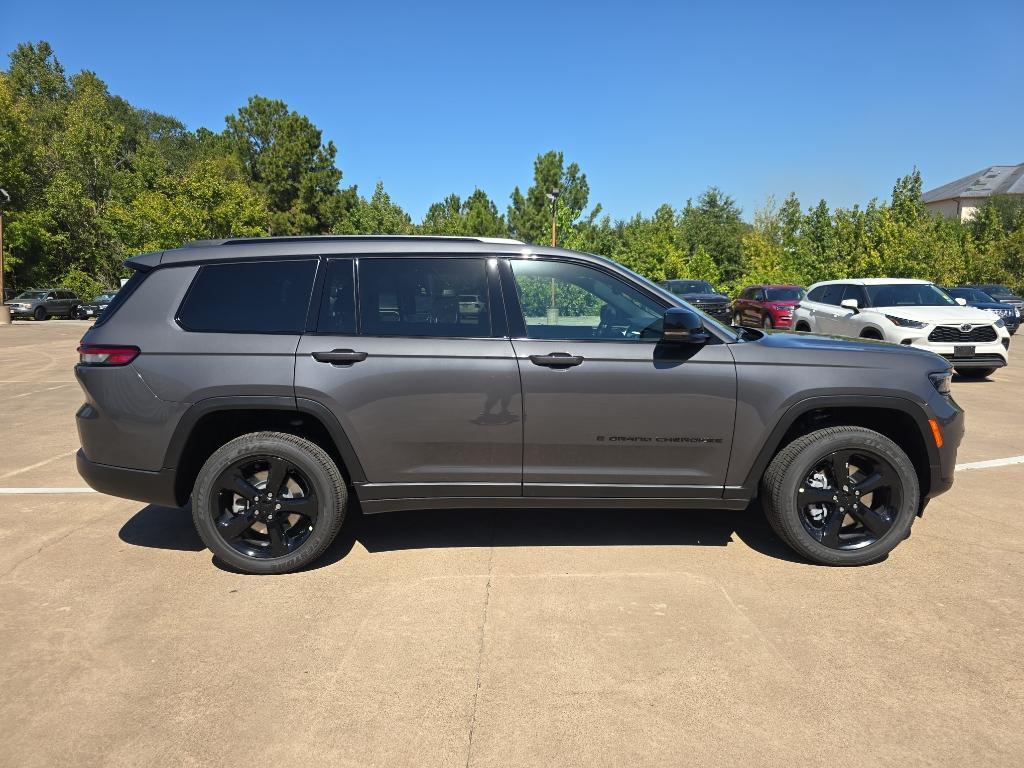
pixel 655 101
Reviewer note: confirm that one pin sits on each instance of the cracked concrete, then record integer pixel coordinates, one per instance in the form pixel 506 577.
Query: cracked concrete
pixel 467 638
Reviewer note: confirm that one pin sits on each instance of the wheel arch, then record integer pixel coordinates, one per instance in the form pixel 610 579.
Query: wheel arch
pixel 902 421
pixel 210 423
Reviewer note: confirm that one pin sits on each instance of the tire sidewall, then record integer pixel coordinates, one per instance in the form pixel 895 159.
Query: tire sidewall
pixel 812 455
pixel 332 503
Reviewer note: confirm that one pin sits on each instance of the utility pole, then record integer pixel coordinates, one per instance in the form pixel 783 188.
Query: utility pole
pixel 5 311
pixel 553 197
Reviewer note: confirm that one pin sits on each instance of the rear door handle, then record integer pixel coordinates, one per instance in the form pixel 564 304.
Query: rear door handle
pixel 556 360
pixel 339 356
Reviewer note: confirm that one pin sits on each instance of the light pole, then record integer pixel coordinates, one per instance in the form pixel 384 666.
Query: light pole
pixel 5 311
pixel 553 197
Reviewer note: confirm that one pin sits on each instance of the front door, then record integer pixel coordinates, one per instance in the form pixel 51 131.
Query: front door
pixel 610 411
pixel 421 377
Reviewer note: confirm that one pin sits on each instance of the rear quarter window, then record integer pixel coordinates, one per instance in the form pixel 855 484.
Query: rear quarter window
pixel 249 297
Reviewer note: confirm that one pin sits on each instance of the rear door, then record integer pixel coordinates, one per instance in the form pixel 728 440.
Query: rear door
pixel 417 367
pixel 611 412
pixel 827 311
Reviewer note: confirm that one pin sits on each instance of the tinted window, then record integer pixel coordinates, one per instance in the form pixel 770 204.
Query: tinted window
pixel 249 297
pixel 570 301
pixel 854 292
pixel 817 293
pixel 833 294
pixel 424 297
pixel 338 305
pixel 680 287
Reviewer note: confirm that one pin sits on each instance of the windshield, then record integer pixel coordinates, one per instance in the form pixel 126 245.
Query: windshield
pixel 31 295
pixel 679 287
pixel 997 290
pixel 907 295
pixel 663 291
pixel 784 294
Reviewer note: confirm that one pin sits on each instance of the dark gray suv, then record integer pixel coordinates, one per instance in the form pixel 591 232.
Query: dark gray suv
pixel 270 381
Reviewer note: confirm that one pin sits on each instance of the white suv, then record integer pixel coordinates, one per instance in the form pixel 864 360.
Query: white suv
pixel 909 312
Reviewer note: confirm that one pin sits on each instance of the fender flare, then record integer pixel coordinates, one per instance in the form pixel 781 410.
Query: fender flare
pixel 772 443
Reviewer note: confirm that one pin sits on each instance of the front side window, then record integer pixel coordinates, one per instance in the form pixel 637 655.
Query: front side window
pixel 424 297
pixel 249 297
pixel 573 302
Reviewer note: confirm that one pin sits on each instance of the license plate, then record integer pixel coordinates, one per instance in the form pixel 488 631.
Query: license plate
pixel 963 351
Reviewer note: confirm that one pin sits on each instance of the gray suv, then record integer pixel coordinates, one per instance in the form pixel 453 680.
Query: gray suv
pixel 273 382
pixel 44 303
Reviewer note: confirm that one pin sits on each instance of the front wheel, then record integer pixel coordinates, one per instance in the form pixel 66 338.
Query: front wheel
pixel 40 314
pixel 841 495
pixel 268 502
pixel 975 373
pixel 767 323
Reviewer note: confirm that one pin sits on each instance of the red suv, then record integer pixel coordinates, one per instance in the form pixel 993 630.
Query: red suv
pixel 767 306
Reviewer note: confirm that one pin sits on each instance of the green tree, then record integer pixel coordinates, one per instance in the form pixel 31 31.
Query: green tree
pixel 715 224
pixel 529 215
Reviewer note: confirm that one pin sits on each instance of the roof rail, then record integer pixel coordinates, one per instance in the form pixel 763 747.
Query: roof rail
pixel 313 238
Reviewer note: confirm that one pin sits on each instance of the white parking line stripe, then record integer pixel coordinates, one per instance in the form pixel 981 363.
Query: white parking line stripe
pixel 990 463
pixel 42 463
pixel 20 491
pixel 36 392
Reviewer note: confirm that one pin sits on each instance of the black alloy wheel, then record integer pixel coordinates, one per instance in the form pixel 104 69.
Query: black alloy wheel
pixel 269 502
pixel 849 499
pixel 39 314
pixel 264 507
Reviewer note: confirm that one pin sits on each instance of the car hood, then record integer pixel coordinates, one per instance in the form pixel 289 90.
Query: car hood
pixel 703 297
pixel 939 315
pixel 815 344
pixel 994 305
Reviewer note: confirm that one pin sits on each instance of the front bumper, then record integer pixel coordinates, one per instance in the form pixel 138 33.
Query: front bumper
pixel 138 484
pixel 950 419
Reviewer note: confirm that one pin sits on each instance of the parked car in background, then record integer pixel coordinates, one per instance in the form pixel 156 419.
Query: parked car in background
pixel 702 295
pixel 44 303
pixel 975 297
pixel 1000 293
pixel 95 307
pixel 766 306
pixel 914 313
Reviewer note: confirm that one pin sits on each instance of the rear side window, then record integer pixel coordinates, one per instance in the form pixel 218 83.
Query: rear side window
pixel 424 297
pixel 249 297
pixel 338 305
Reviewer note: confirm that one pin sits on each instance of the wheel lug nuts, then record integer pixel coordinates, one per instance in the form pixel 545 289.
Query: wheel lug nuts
pixel 277 506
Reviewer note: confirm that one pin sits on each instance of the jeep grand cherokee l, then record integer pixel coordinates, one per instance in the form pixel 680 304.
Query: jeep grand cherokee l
pixel 272 381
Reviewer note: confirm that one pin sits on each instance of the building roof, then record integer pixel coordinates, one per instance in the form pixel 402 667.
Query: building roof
pixel 994 180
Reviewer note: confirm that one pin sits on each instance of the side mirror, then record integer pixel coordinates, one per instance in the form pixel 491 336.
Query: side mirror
pixel 850 304
pixel 961 302
pixel 681 326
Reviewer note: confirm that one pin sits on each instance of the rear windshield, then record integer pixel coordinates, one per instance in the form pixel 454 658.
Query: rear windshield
pixel 907 295
pixel 784 294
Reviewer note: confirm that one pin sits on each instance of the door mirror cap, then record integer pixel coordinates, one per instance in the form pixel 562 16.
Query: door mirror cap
pixel 850 304
pixel 961 302
pixel 681 326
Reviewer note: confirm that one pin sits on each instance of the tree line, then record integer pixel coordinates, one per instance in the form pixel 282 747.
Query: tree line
pixel 94 180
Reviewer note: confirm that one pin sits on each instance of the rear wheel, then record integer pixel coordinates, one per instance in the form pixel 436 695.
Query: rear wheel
pixel 40 313
pixel 269 503
pixel 842 495
pixel 975 373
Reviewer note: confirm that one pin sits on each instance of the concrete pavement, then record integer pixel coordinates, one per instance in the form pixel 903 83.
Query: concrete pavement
pixel 476 638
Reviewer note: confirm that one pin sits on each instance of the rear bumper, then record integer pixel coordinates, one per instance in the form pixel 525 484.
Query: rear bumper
pixel 138 484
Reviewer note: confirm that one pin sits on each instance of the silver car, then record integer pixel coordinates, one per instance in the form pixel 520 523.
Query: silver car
pixel 44 303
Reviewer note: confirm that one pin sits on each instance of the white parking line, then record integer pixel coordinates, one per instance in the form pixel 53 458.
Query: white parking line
pixel 19 491
pixel 36 392
pixel 990 463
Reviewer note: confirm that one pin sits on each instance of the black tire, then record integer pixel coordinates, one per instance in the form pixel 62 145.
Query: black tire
pixel 737 321
pixel 890 514
pixel 975 373
pixel 40 314
pixel 767 323
pixel 802 327
pixel 219 507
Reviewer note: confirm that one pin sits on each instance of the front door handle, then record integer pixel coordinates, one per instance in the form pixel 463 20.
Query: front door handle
pixel 557 360
pixel 339 357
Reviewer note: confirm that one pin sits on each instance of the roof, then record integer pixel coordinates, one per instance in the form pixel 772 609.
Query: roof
pixel 994 180
pixel 344 245
pixel 874 281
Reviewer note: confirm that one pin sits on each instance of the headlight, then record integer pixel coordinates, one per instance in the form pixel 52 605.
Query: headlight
pixel 941 381
pixel 902 322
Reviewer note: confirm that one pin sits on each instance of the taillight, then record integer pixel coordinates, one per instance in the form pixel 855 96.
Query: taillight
pixel 105 355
